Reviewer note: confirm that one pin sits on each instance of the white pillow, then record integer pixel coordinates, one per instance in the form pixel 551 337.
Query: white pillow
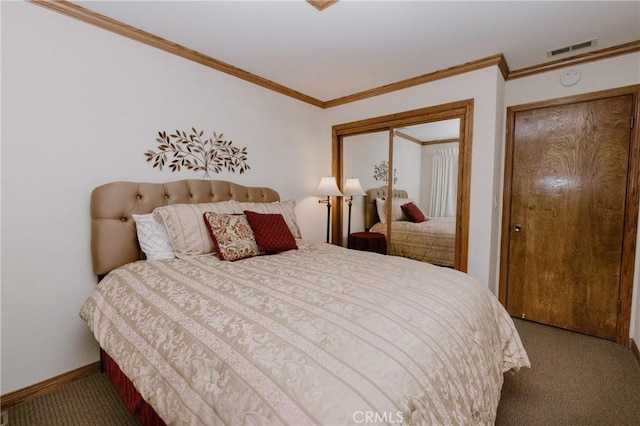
pixel 396 209
pixel 186 226
pixel 285 208
pixel 153 237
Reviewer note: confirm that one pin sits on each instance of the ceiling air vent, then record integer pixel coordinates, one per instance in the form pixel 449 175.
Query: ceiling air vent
pixel 571 48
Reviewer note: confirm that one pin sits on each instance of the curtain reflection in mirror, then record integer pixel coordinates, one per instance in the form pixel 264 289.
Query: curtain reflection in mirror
pixel 444 183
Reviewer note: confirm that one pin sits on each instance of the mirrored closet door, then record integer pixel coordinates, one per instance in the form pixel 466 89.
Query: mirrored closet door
pixel 420 157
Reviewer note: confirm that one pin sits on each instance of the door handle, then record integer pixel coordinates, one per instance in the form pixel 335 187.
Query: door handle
pixel 517 228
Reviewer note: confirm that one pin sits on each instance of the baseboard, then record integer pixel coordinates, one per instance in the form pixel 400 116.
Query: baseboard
pixel 634 349
pixel 48 385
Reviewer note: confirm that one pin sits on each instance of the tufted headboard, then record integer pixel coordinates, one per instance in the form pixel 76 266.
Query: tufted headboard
pixel 370 210
pixel 113 232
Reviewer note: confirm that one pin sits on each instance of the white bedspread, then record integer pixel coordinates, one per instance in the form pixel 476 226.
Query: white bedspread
pixel 319 335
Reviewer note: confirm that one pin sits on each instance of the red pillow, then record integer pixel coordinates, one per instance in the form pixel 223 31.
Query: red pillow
pixel 413 212
pixel 271 231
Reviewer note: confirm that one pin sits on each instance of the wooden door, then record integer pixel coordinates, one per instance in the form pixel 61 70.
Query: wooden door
pixel 567 214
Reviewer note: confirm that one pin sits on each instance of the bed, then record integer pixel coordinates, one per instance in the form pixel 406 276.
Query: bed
pixel 318 334
pixel 431 241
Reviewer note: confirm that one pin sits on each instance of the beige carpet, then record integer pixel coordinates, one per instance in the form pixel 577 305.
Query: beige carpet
pixel 574 380
pixel 90 401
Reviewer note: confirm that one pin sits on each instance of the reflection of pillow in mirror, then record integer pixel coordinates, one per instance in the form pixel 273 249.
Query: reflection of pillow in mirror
pixel 396 209
pixel 413 212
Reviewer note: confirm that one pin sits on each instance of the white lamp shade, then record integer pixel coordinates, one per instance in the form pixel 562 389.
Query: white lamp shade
pixel 352 188
pixel 328 187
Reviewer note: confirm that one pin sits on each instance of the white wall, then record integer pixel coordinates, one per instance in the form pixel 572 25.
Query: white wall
pixel 610 73
pixel 80 106
pixel 408 162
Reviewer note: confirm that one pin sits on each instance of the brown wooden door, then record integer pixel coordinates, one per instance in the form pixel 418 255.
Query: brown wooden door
pixel 568 190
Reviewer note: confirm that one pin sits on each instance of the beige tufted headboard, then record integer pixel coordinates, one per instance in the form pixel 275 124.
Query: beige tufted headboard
pixel 113 232
pixel 370 210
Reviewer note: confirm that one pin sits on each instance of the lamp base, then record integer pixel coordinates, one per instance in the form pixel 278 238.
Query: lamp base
pixel 328 202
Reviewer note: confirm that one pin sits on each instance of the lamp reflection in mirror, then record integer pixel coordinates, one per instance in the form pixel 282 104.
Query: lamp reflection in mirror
pixel 352 188
pixel 328 188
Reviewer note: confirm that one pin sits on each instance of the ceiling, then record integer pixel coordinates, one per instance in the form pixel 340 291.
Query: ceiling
pixel 353 46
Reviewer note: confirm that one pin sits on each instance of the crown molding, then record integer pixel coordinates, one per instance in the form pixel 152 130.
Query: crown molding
pixel 497 60
pixel 595 55
pixel 120 28
pixel 88 16
pixel 410 138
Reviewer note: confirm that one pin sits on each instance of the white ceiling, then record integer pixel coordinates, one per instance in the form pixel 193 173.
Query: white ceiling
pixel 358 45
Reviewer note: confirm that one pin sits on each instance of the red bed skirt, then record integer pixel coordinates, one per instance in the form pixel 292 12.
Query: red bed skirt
pixel 132 399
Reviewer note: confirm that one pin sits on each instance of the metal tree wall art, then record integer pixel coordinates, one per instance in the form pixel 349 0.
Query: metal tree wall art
pixel 381 172
pixel 193 152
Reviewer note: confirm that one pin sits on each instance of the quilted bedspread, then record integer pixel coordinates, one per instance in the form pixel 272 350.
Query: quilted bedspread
pixel 319 335
pixel 431 241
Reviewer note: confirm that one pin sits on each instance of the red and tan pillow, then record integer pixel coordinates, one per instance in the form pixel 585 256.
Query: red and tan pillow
pixel 413 212
pixel 271 232
pixel 285 208
pixel 232 235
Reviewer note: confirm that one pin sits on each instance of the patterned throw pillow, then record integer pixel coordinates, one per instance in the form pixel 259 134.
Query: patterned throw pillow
pixel 413 212
pixel 153 237
pixel 272 232
pixel 232 235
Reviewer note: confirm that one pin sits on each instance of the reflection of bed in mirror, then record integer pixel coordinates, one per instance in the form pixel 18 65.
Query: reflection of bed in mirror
pixel 431 241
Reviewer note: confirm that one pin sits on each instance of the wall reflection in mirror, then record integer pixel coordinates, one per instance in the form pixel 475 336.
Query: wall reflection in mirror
pixel 424 171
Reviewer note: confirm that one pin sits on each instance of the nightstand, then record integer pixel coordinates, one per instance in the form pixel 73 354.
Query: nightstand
pixel 368 241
